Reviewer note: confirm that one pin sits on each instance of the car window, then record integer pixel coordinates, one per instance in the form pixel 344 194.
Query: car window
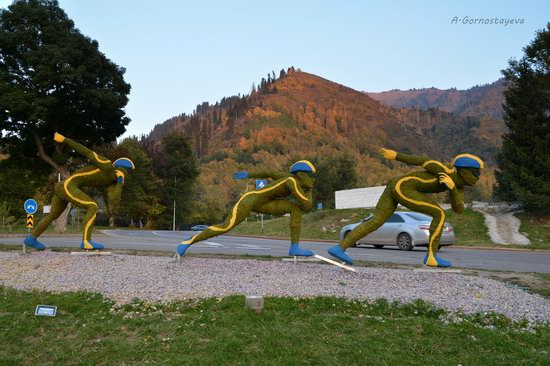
pixel 395 218
pixel 418 216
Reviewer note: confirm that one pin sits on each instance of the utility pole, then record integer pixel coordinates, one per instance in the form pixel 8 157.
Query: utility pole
pixel 174 217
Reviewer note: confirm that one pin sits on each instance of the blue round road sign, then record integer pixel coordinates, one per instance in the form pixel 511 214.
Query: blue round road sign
pixel 31 206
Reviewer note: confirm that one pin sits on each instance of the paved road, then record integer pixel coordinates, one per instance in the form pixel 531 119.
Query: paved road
pixel 518 261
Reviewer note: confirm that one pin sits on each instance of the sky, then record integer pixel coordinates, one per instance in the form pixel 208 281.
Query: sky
pixel 178 54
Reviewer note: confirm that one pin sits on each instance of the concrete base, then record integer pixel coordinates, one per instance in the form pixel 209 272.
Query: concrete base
pixel 300 259
pixel 438 270
pixel 89 252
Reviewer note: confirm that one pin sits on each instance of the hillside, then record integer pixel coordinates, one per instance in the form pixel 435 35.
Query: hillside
pixel 300 115
pixel 479 101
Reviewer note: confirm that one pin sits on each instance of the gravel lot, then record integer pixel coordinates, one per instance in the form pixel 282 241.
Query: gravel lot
pixel 161 279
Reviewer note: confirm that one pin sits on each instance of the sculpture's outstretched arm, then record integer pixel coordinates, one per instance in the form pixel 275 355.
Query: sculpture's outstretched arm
pixel 97 160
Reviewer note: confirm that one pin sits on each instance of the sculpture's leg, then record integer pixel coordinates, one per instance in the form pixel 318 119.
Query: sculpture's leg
pixel 281 207
pixel 89 221
pixel 420 202
pixel 237 215
pixel 80 199
pixel 58 206
pixel 384 209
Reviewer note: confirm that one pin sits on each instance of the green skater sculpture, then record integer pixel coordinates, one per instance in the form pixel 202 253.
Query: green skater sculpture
pixel 410 191
pixel 103 173
pixel 288 193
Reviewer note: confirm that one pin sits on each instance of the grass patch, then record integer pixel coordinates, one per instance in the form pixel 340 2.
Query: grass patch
pixel 90 330
pixel 536 228
pixel 469 228
pixel 312 224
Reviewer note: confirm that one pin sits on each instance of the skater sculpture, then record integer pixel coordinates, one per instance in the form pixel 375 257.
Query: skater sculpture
pixel 102 173
pixel 410 191
pixel 287 193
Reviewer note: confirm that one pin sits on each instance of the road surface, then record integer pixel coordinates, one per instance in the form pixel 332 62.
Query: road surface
pixel 505 260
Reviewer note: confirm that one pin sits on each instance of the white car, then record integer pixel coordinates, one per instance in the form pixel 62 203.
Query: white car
pixel 405 229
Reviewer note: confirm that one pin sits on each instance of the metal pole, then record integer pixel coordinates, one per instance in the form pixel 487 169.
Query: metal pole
pixel 24 246
pixel 262 218
pixel 174 217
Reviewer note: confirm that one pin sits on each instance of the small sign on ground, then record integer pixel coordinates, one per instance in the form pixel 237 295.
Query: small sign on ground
pixel 45 310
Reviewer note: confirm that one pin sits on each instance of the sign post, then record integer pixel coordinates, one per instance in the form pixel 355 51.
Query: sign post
pixel 30 206
pixel 262 219
pixel 261 183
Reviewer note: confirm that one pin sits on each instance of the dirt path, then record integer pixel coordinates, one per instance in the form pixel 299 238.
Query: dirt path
pixel 504 228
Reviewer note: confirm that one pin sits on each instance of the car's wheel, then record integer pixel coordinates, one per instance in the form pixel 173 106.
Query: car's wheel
pixel 378 246
pixel 404 241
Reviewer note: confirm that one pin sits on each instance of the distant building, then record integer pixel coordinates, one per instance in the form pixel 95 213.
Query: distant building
pixel 358 198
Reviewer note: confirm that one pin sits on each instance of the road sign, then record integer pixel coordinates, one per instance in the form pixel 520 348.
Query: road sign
pixel 30 221
pixel 30 206
pixel 261 183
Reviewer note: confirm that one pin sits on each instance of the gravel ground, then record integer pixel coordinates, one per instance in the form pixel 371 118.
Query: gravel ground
pixel 161 279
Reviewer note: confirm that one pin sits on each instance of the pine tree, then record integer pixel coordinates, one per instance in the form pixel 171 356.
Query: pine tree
pixel 524 161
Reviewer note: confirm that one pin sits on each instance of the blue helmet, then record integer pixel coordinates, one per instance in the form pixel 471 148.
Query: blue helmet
pixel 124 163
pixel 302 166
pixel 468 161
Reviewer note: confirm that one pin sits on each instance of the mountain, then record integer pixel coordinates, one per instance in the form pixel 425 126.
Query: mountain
pixel 479 101
pixel 300 115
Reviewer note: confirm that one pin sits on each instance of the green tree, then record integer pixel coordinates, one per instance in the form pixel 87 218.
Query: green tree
pixel 6 220
pixel 334 173
pixel 141 188
pixel 524 161
pixel 53 78
pixel 18 183
pixel 175 164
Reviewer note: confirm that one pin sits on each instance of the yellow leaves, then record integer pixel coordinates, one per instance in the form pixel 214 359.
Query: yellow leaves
pixel 262 113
